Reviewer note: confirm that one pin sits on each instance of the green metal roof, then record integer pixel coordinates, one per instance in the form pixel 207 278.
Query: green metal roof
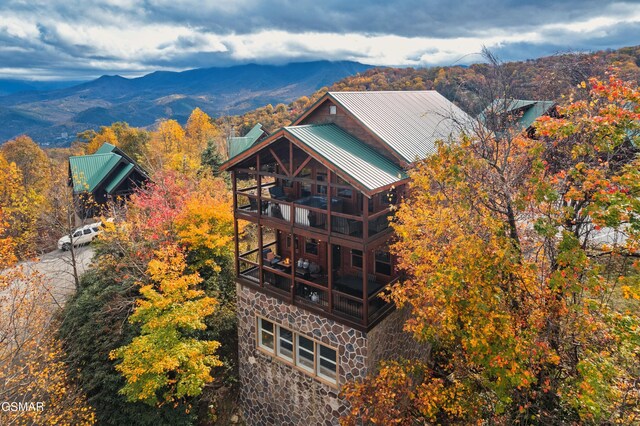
pixel 117 179
pixel 533 112
pixel 408 122
pixel 529 109
pixel 348 154
pixel 87 171
pixel 106 148
pixel 239 144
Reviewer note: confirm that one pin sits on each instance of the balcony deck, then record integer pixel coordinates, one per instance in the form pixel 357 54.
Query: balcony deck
pixel 345 302
pixel 305 213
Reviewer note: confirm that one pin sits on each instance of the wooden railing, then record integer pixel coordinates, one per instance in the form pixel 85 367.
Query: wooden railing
pixel 316 296
pixel 302 215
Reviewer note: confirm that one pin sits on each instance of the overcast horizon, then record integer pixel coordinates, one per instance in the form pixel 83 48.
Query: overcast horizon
pixel 73 40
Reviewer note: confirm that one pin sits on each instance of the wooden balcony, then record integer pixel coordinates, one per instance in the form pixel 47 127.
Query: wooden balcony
pixel 334 294
pixel 313 213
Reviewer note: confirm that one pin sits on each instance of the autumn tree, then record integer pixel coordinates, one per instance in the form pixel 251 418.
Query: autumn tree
pixel 170 136
pixel 129 139
pixel 105 135
pixel 19 206
pixel 30 159
pixel 193 215
pixel 172 147
pixel 166 362
pixel 199 131
pixel 522 274
pixel 32 362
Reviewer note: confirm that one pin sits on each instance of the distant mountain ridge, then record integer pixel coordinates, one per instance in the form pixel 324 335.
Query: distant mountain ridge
pixel 53 117
pixel 11 86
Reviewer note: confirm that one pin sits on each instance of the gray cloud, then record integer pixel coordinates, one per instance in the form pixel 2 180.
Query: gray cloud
pixel 412 18
pixel 74 38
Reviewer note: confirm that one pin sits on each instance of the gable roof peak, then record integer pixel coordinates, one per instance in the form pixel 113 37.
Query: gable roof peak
pixel 408 122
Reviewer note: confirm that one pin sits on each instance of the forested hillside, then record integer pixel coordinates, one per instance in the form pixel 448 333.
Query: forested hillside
pixel 544 78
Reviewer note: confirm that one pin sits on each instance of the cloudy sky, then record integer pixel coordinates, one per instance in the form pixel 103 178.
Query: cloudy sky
pixel 81 39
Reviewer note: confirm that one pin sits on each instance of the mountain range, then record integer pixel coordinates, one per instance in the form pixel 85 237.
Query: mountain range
pixel 52 113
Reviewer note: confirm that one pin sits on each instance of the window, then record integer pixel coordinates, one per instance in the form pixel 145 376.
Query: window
pixel 306 354
pixel 311 246
pixel 345 193
pixel 289 242
pixel 321 177
pixel 332 109
pixel 311 357
pixel 77 234
pixel 362 200
pixel 265 334
pixel 285 344
pixel 388 198
pixel 327 367
pixel 87 231
pixel 383 262
pixel 306 172
pixel 356 258
pixel 305 189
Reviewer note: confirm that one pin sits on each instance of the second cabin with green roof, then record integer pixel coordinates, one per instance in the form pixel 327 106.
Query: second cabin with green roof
pixel 109 174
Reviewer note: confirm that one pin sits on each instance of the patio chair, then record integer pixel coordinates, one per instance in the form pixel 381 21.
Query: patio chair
pixel 277 192
pixel 269 258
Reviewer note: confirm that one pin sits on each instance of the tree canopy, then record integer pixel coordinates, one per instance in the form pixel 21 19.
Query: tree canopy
pixel 522 270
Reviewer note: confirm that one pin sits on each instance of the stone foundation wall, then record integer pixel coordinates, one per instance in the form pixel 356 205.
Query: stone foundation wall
pixel 276 393
pixel 388 340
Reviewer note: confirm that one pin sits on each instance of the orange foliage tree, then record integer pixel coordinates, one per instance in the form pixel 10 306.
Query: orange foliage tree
pixel 522 274
pixel 32 363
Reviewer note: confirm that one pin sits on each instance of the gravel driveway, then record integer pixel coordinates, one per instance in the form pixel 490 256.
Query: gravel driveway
pixel 56 267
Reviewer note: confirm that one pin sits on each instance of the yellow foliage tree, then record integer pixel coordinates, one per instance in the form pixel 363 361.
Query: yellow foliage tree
pixel 30 159
pixel 19 207
pixel 199 131
pixel 205 223
pixel 169 137
pixel 531 319
pixel 32 367
pixel 106 135
pixel 166 143
pixel 164 363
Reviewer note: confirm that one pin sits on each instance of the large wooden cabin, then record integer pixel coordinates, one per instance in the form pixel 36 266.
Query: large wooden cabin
pixel 317 198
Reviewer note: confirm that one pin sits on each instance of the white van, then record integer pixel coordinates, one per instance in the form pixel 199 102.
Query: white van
pixel 80 236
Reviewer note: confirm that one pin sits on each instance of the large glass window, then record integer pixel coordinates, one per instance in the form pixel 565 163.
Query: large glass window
pixel 306 354
pixel 312 357
pixel 383 262
pixel 356 258
pixel 305 172
pixel 311 246
pixel 321 177
pixel 265 334
pixel 305 189
pixel 327 366
pixel 285 344
pixel 343 192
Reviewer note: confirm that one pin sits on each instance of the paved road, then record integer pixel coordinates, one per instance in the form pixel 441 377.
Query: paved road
pixel 56 267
